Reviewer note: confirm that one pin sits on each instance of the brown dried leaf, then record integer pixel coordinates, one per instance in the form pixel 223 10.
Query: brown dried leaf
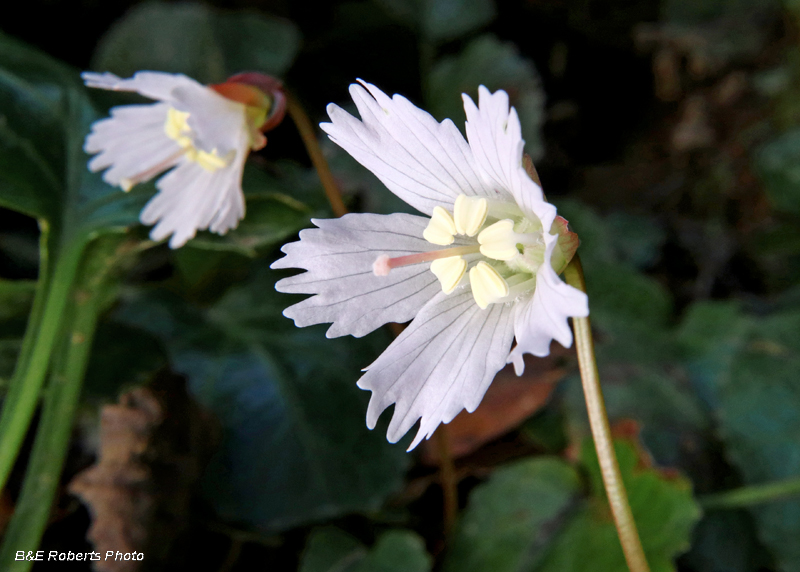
pixel 153 447
pixel 507 403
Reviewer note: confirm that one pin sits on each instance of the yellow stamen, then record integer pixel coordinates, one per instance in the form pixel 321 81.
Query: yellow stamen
pixel 441 228
pixel 499 241
pixel 208 161
pixel 449 271
pixel 469 214
pixel 487 285
pixel 177 126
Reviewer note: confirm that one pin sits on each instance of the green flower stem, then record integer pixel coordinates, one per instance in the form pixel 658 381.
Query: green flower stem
pixel 753 494
pixel 309 136
pixel 29 375
pixel 15 385
pixel 50 448
pixel 598 420
pixel 35 317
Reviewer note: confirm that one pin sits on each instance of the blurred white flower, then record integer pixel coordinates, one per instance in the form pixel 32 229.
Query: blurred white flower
pixel 204 132
pixel 473 274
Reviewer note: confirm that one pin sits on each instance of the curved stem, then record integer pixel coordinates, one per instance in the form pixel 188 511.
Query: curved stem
pixel 309 136
pixel 15 391
pixel 50 448
pixel 37 311
pixel 21 403
pixel 601 432
pixel 753 494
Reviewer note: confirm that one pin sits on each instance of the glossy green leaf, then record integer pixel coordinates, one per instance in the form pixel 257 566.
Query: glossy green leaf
pixel 45 116
pixel 204 43
pixel 726 541
pixel 497 65
pixel 630 310
pixel 673 420
pixel 332 550
pixel 710 337
pixel 441 19
pixel 759 400
pixel 33 118
pixel 16 297
pixel 511 519
pixel 637 239
pixel 295 446
pixel 662 506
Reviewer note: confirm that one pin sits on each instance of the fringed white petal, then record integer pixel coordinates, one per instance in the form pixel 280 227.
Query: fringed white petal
pixel 130 142
pixel 191 198
pixel 443 362
pixel 425 163
pixel 495 137
pixel 543 317
pixel 339 257
pixel 155 85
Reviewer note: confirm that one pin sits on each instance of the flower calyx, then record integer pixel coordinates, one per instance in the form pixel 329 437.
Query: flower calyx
pixel 263 97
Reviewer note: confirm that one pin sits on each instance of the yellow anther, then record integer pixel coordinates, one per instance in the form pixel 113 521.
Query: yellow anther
pixel 208 161
pixel 499 241
pixel 441 228
pixel 487 285
pixel 177 126
pixel 469 214
pixel 449 271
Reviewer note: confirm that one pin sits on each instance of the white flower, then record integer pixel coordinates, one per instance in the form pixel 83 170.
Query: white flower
pixel 472 275
pixel 204 135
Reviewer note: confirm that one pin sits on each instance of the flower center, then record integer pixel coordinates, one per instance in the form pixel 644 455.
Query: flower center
pixel 177 128
pixel 507 247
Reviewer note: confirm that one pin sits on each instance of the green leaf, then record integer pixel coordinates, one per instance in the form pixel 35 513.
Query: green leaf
pixel 669 412
pixel 206 44
pixel 33 107
pixel 662 506
pixel 16 297
pixel 497 65
pixel 442 20
pixel 709 337
pixel 759 400
pixel 778 162
pixel 46 115
pixel 511 519
pixel 295 446
pixel 726 540
pixel 637 239
pixel 332 550
pixel 597 239
pixel 631 311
